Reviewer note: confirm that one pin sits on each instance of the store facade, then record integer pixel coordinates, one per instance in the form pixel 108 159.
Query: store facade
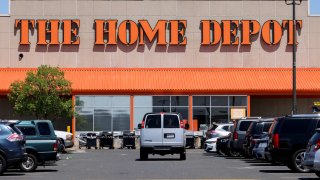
pixel 211 61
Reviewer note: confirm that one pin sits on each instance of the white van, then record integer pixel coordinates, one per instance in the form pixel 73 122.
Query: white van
pixel 162 133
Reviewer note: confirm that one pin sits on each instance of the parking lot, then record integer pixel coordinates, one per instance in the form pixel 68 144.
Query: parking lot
pixel 125 164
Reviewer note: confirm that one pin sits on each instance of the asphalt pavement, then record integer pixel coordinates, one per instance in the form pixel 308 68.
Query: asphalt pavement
pixel 125 164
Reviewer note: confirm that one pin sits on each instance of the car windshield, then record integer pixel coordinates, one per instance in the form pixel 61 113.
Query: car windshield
pixel 213 127
pixel 214 135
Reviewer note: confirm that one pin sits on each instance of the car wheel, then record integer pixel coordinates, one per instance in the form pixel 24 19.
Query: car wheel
pixel 143 154
pixel 30 164
pixel 317 173
pixel 296 162
pixel 62 147
pixel 233 153
pixel 183 155
pixel 3 164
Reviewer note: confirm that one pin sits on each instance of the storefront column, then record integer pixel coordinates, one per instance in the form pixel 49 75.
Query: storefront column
pixel 248 106
pixel 190 120
pixel 131 113
pixel 73 121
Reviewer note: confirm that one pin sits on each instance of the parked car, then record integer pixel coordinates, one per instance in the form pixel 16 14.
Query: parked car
pixel 259 150
pixel 65 140
pixel 257 130
pixel 289 137
pixel 12 146
pixel 312 155
pixel 237 137
pixel 216 131
pixel 41 143
pixel 219 130
pixel 162 133
pixel 222 145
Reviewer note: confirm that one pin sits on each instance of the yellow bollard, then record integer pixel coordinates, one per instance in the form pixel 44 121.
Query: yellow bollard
pixel 68 128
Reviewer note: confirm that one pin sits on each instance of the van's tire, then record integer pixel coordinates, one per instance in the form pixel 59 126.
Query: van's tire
pixel 295 163
pixel 30 164
pixel 183 155
pixel 3 164
pixel 143 154
pixel 317 173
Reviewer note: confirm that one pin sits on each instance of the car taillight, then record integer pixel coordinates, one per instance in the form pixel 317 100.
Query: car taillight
pixel 142 124
pixel 181 124
pixel 15 137
pixel 55 146
pixel 275 141
pixel 317 145
pixel 235 136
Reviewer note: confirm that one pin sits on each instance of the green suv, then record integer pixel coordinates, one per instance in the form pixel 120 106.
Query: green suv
pixel 41 143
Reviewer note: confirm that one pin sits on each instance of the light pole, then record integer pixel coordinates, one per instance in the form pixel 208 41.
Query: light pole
pixel 294 47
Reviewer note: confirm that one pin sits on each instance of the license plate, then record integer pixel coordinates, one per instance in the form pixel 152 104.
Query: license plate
pixel 169 135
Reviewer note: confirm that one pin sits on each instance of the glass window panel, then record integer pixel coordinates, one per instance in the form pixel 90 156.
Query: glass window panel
pixel 121 119
pixel 161 100
pixel 314 7
pixel 179 100
pixel 171 121
pixel 202 115
pixel 184 111
pixel 85 101
pixel 139 113
pixel 4 7
pixel 238 100
pixel 121 101
pixel 144 101
pixel 153 121
pixel 219 100
pixel 84 119
pixel 219 115
pixel 102 119
pixel 201 100
pixel 44 128
pixel 102 101
pixel 160 109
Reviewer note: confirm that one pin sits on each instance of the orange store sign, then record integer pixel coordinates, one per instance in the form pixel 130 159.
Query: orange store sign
pixel 165 32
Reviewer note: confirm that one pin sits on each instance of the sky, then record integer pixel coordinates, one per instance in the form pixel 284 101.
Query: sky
pixel 314 7
pixel 4 6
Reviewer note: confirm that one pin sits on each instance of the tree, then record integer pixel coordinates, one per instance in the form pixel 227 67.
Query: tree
pixel 44 93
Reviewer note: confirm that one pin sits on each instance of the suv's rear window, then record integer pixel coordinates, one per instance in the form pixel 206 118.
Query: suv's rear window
pixel 153 121
pixel 244 125
pixel 266 127
pixel 171 121
pixel 44 128
pixel 295 126
pixel 28 131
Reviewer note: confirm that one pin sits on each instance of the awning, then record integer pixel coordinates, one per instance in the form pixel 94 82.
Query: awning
pixel 251 81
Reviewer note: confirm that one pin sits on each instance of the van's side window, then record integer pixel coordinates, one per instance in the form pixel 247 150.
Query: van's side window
pixel 171 121
pixel 153 121
pixel 44 129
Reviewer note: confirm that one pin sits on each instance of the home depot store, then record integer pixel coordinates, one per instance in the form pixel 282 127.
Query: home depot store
pixel 199 58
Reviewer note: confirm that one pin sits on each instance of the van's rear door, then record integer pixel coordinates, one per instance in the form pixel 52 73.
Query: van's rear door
pixel 173 135
pixel 152 132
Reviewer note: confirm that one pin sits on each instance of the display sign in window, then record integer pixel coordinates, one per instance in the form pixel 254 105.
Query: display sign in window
pixel 314 8
pixel 4 7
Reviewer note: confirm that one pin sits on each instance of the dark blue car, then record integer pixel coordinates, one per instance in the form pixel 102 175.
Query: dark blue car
pixel 12 142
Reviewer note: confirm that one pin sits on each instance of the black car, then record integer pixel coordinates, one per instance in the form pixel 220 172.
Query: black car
pixel 257 130
pixel 289 137
pixel 12 146
pixel 222 145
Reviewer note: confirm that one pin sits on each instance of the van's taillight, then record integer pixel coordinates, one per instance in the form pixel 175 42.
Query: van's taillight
pixel 275 141
pixel 55 146
pixel 181 124
pixel 235 136
pixel 15 137
pixel 142 124
pixel 317 145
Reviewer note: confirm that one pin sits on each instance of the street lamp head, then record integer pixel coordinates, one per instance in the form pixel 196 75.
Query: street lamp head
pixel 296 2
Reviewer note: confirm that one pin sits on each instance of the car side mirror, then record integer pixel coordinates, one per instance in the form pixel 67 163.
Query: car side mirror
pixel 187 126
pixel 139 126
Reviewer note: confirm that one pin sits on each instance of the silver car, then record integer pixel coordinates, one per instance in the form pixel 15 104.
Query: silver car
pixel 311 158
pixel 162 133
